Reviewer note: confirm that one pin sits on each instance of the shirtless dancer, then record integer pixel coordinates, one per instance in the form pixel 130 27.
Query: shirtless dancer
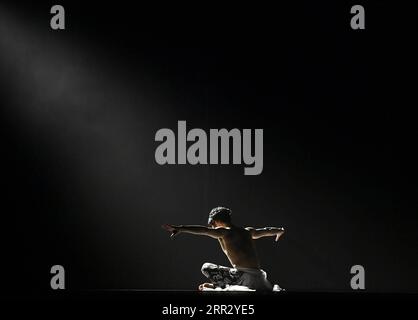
pixel 238 245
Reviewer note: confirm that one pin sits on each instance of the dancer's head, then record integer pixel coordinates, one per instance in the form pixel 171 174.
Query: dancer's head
pixel 220 217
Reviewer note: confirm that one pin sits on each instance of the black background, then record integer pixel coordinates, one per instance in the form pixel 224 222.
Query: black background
pixel 80 108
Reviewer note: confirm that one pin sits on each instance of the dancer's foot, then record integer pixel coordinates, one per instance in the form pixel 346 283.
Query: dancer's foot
pixel 206 285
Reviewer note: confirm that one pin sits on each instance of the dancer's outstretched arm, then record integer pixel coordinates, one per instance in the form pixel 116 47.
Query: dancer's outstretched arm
pixel 215 233
pixel 266 232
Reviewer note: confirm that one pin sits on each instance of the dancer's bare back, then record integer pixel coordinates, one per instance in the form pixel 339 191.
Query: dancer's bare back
pixel 236 242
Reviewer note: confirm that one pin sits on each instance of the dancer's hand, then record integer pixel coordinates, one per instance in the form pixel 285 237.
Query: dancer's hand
pixel 279 234
pixel 170 228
